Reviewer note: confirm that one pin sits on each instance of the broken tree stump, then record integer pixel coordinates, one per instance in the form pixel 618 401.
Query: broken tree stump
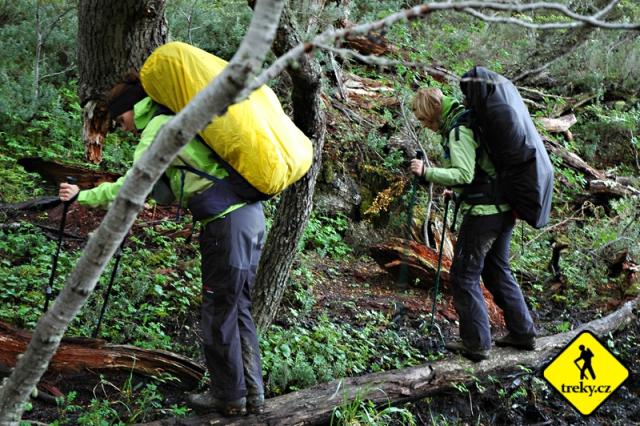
pixel 315 405
pixel 78 355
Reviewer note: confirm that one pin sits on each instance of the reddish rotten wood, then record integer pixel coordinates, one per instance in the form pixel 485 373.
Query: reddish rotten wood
pixel 77 355
pixel 421 262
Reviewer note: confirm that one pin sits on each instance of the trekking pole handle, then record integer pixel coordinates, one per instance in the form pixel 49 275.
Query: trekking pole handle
pixel 71 180
pixel 419 154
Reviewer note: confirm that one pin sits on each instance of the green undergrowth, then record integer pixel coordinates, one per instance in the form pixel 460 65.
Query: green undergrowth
pixel 152 299
pixel 300 356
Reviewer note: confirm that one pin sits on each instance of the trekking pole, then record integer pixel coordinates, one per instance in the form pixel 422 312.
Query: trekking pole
pixel 107 292
pixel 403 276
pixel 65 209
pixel 439 269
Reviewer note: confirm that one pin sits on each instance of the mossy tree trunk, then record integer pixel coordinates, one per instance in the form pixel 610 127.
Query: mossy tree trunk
pixel 114 37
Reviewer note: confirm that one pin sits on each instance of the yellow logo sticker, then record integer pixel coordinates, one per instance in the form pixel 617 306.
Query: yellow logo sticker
pixel 586 373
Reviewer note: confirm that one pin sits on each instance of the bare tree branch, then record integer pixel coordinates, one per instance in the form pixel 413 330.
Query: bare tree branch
pixel 330 36
pixel 550 26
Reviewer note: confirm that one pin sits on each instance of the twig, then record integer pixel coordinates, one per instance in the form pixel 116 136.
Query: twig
pixel 338 74
pixel 546 230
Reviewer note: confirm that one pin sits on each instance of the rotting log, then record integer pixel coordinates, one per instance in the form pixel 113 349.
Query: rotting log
pixel 398 256
pixel 611 189
pixel 80 355
pixel 370 44
pixel 55 172
pixel 574 161
pixel 315 405
pixel 37 204
pixel 421 261
pixel 598 182
pixel 560 124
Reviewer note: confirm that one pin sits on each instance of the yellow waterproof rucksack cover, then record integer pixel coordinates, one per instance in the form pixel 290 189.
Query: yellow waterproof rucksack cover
pixel 255 136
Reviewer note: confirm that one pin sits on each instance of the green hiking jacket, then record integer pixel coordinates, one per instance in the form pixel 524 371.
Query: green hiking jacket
pixel 459 166
pixel 195 154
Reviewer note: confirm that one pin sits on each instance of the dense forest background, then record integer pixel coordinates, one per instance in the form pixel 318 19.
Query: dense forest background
pixel 342 314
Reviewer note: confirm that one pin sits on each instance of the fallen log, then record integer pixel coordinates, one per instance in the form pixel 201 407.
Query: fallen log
pixel 398 256
pixel 574 161
pixel 55 172
pixel 37 204
pixel 560 125
pixel 611 189
pixel 598 183
pixel 315 405
pixel 79 355
pixel 369 44
pixel 422 261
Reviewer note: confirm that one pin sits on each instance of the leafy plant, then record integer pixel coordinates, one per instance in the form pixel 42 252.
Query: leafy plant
pixel 324 234
pixel 299 357
pixel 357 411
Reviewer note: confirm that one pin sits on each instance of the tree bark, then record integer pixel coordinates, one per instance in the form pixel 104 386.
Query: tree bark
pixel 315 405
pixel 113 38
pixel 235 83
pixel 294 207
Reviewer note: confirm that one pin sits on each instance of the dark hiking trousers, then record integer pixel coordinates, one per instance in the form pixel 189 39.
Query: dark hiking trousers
pixel 483 249
pixel 230 248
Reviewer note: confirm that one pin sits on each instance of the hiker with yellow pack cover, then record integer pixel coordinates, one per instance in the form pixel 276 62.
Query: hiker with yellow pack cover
pixel 249 154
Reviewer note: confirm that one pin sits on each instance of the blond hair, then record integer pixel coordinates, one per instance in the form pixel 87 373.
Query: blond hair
pixel 427 105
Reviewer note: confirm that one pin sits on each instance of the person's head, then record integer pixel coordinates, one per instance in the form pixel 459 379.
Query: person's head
pixel 427 107
pixel 121 99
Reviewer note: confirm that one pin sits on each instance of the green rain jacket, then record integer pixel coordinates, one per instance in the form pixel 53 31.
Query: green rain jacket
pixel 459 165
pixel 195 154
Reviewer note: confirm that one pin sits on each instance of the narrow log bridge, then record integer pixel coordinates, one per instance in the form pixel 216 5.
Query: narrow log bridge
pixel 315 405
pixel 78 355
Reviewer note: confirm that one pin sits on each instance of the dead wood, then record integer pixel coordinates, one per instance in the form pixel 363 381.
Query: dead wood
pixel 315 405
pixel 80 355
pixel 560 124
pixel 35 204
pixel 574 161
pixel 417 261
pixel 611 189
pixel 422 261
pixel 598 183
pixel 55 172
pixel 369 44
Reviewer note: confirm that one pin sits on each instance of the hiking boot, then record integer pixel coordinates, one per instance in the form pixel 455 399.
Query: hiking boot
pixel 205 402
pixel 474 355
pixel 527 343
pixel 255 403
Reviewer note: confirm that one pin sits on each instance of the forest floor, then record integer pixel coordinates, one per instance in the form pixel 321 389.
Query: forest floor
pixel 341 290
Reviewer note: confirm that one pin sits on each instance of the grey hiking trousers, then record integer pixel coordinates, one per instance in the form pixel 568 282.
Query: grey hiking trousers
pixel 230 248
pixel 482 249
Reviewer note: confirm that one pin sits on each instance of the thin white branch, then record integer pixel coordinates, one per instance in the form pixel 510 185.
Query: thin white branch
pixel 521 23
pixel 384 62
pixel 330 36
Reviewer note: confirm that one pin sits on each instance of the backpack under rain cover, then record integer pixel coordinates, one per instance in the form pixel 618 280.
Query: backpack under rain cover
pixel 255 136
pixel 506 131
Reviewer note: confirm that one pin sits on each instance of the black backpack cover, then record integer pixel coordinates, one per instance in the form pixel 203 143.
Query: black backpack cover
pixel 506 131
